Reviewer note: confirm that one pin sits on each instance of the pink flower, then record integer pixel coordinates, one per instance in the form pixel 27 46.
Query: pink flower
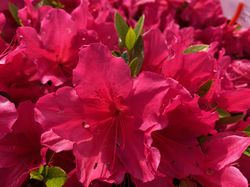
pixel 191 70
pixel 52 50
pixel 81 15
pixel 238 73
pixel 208 164
pixel 228 177
pixel 24 84
pixel 31 14
pixel 221 151
pixel 186 122
pixel 8 116
pixel 20 149
pixel 234 100
pixel 109 108
pixel 72 180
pixel 155 51
pixel 201 14
pixel 244 166
pixel 166 56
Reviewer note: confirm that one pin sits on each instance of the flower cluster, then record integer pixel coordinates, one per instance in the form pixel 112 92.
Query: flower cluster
pixel 141 93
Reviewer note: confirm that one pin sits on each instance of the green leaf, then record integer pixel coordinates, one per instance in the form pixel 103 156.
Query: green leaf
pixel 196 48
pixel 53 3
pixel 205 88
pixel 134 66
pixel 51 176
pixel 37 174
pixel 247 151
pixel 139 26
pixel 222 113
pixel 230 119
pixel 14 12
pixel 247 130
pixel 41 169
pixel 121 27
pixel 45 171
pixel 130 39
pixel 56 177
pixel 138 53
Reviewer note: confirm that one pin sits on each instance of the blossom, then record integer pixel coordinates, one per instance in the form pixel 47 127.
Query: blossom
pixel 8 116
pixel 124 92
pixel 20 148
pixel 109 109
pixel 24 84
pixel 52 50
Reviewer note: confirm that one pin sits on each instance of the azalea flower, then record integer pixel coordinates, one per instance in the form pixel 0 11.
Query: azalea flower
pixel 25 82
pixel 109 110
pixel 54 57
pixel 20 148
pixel 158 96
pixel 8 116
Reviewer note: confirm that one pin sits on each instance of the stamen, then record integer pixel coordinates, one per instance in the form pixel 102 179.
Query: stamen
pixel 10 47
pixel 237 14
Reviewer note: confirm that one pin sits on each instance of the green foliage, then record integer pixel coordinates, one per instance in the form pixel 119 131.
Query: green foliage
pixel 231 119
pixel 133 66
pixel 222 113
pixel 14 12
pixel 51 176
pixel 196 48
pixel 139 26
pixel 131 40
pixel 247 151
pixel 37 174
pixel 53 3
pixel 226 118
pixel 56 177
pixel 138 54
pixel 247 130
pixel 121 27
pixel 205 88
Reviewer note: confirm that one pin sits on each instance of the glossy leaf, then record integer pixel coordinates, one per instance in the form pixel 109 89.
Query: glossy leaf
pixel 56 177
pixel 121 27
pixel 37 174
pixel 134 66
pixel 130 39
pixel 139 26
pixel 51 176
pixel 137 56
pixel 196 48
